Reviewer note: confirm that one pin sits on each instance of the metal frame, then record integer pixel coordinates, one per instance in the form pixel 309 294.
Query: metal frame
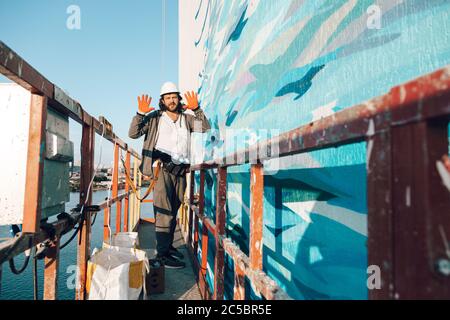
pixel 244 266
pixel 44 93
pixel 35 164
pixel 115 188
pixel 127 189
pixel 87 171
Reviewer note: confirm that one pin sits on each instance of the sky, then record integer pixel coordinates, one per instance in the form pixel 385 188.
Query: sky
pixel 121 50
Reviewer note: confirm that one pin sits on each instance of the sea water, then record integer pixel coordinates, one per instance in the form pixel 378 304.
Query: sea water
pixel 20 287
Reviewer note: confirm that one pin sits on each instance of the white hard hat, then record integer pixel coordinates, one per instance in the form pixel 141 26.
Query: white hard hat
pixel 169 87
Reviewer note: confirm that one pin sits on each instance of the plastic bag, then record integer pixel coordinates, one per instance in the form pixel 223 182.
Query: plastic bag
pixel 125 240
pixel 117 273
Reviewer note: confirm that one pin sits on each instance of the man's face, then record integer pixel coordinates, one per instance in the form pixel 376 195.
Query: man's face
pixel 171 101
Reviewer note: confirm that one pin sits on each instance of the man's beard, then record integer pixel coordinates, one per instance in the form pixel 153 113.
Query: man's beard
pixel 171 107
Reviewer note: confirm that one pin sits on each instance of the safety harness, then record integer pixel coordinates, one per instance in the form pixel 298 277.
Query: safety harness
pixel 152 183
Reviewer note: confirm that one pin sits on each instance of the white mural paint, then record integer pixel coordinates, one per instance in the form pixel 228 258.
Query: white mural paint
pixel 356 221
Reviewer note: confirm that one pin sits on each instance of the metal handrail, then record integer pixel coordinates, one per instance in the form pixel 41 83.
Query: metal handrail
pixel 43 93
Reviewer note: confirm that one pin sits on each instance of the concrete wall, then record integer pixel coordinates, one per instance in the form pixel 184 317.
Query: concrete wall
pixel 276 65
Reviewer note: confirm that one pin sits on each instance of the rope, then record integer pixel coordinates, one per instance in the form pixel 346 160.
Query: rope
pixel 98 165
pixel 83 216
pixel 163 39
pixel 13 268
pixel 152 183
pixel 93 220
pixel 71 238
pixel 12 265
pixel 108 205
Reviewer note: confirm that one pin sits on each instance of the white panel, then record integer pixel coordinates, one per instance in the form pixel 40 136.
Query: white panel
pixel 191 58
pixel 14 127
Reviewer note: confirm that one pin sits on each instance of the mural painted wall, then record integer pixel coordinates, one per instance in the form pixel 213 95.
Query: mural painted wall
pixel 276 65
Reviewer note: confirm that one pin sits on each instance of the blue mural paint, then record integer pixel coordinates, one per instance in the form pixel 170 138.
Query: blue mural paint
pixel 239 27
pixel 231 114
pixel 301 86
pixel 203 27
pixel 198 9
pixel 309 293
pixel 273 77
pixel 278 231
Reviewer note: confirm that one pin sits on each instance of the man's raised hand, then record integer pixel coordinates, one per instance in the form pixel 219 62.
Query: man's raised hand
pixel 144 104
pixel 191 99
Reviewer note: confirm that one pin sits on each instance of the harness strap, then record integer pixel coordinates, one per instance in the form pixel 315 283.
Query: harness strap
pixel 152 183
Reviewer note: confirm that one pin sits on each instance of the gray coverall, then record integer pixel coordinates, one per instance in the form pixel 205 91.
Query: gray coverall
pixel 169 189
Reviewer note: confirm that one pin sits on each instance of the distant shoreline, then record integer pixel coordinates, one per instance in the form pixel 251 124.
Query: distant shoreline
pixel 95 188
pixel 121 186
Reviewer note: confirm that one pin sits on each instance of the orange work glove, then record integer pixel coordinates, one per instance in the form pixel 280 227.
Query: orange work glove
pixel 192 100
pixel 446 161
pixel 144 104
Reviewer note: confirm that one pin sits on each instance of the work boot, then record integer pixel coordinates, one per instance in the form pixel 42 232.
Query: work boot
pixel 174 252
pixel 172 262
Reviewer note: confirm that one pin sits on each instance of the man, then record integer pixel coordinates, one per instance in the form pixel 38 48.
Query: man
pixel 167 138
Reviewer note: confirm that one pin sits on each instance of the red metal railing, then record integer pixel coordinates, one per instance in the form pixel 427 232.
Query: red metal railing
pixel 44 93
pixel 406 135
